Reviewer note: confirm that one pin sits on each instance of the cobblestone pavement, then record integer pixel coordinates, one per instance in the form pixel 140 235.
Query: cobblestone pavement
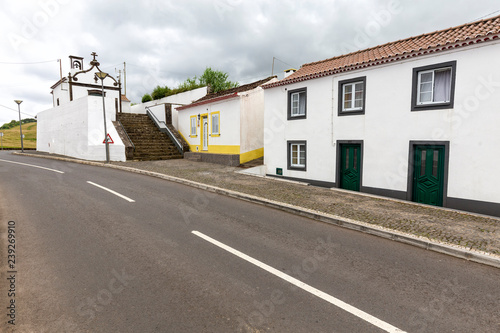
pixel 476 232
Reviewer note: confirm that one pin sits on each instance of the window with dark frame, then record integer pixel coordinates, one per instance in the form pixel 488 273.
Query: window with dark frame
pixel 433 86
pixel 297 155
pixel 297 104
pixel 352 96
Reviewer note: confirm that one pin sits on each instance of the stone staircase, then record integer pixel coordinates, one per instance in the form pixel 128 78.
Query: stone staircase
pixel 150 144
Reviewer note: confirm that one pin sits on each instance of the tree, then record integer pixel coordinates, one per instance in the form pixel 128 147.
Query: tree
pixel 146 98
pixel 216 79
pixel 160 92
pixel 15 123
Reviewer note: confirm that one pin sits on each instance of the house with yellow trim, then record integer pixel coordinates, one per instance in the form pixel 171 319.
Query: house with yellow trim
pixel 226 127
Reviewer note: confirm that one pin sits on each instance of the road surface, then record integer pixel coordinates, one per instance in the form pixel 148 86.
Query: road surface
pixel 103 250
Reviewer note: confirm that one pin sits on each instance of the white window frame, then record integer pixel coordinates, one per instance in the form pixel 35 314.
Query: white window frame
pixel 295 146
pixel 296 99
pixel 353 109
pixel 353 96
pixel 296 110
pixel 193 126
pixel 417 72
pixel 419 85
pixel 215 130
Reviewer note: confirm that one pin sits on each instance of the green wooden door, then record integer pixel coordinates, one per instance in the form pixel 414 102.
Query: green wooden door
pixel 350 162
pixel 428 175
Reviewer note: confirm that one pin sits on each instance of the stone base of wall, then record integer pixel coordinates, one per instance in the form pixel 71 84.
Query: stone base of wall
pixel 224 159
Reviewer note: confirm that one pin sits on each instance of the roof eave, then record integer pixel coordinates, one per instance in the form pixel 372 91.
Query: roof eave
pixel 399 57
pixel 208 101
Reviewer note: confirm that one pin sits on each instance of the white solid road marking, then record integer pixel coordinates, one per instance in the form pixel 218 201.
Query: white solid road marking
pixel 31 165
pixel 346 307
pixel 111 191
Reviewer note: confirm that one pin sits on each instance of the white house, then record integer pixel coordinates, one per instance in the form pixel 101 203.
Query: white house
pixel 226 127
pixel 417 119
pixel 75 125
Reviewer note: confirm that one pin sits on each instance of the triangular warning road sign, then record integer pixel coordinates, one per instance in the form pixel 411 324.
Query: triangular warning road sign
pixel 109 139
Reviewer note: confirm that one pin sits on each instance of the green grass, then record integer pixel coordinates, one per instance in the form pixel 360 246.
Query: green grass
pixel 12 139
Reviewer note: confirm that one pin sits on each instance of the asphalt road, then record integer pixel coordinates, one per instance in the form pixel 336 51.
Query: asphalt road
pixel 156 256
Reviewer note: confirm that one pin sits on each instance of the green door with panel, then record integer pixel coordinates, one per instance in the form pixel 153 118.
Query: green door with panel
pixel 428 177
pixel 350 166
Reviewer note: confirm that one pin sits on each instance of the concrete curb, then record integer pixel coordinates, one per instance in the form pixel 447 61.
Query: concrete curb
pixel 444 248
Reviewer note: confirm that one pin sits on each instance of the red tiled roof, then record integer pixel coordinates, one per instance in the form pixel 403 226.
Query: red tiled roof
pixel 226 94
pixel 463 35
pixel 125 99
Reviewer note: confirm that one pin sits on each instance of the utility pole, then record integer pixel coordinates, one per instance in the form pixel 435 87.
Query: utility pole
pixel 124 78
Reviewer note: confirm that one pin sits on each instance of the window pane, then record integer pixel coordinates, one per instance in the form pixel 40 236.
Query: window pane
pixel 215 123
pixel 442 85
pixel 347 96
pixel 435 160
pixel 353 96
pixel 425 97
pixel 426 77
pixel 426 87
pixel 193 126
pixel 302 103
pixel 298 104
pixel 422 162
pixel 347 151
pixel 294 154
pixel 347 104
pixel 358 102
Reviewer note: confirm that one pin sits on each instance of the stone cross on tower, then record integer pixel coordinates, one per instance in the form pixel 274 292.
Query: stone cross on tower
pixel 94 62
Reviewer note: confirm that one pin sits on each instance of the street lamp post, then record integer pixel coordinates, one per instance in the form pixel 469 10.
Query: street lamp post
pixel 20 123
pixel 102 76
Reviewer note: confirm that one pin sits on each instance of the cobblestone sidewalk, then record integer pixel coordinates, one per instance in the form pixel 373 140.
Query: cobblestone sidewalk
pixel 476 232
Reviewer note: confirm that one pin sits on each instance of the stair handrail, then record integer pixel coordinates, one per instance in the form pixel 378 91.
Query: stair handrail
pixel 128 137
pixel 165 129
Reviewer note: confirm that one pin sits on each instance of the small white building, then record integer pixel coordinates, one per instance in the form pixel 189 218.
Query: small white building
pixel 75 125
pixel 417 119
pixel 226 127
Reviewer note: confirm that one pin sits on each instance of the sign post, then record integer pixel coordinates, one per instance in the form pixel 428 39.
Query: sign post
pixel 1 143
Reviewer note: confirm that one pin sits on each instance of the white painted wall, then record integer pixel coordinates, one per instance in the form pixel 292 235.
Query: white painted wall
pixel 229 123
pixel 182 99
pixel 252 120
pixel 61 92
pixel 158 108
pixel 388 125
pixel 76 129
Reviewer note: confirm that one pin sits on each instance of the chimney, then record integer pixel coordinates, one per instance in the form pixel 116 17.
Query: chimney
pixel 289 72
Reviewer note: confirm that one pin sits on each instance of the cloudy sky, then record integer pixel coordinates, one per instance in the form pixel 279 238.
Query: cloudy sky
pixel 164 42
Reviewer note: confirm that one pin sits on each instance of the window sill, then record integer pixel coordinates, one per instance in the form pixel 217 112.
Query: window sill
pixel 432 106
pixel 297 168
pixel 351 113
pixel 296 117
pixel 214 135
